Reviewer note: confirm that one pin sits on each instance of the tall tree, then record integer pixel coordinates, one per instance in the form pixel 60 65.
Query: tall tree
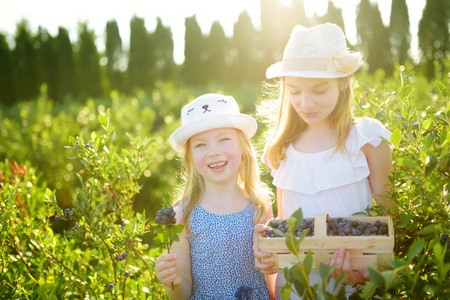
pixel 65 65
pixel 90 79
pixel 216 46
pixel 245 66
pixel 116 58
pixel 7 86
pixel 274 32
pixel 434 38
pixel 47 62
pixel 334 15
pixel 24 62
pixel 399 31
pixel 140 59
pixel 163 54
pixel 194 53
pixel 297 14
pixel 373 37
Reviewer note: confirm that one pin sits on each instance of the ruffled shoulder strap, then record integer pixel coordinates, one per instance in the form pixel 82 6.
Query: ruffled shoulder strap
pixel 367 131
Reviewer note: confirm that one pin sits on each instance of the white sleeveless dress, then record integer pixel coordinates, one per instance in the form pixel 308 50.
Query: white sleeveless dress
pixel 323 182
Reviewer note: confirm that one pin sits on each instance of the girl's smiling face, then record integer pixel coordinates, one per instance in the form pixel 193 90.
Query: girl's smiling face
pixel 314 99
pixel 217 155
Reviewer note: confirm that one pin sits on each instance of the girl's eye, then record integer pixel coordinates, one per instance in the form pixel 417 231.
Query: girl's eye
pixel 321 92
pixel 224 139
pixel 294 92
pixel 200 145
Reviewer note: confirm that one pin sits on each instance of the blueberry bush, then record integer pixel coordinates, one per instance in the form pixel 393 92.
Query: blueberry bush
pixel 81 184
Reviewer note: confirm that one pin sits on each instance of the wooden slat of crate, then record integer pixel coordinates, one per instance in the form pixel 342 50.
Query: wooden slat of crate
pixel 379 261
pixel 373 251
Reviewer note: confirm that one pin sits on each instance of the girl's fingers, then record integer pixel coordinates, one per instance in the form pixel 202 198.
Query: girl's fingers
pixel 265 268
pixel 347 268
pixel 260 254
pixel 333 262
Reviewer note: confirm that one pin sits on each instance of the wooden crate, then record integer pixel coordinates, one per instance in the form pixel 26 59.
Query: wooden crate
pixel 366 251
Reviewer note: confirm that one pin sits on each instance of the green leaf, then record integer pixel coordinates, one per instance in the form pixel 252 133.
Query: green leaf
pixel 396 137
pixel 442 88
pixel 415 249
pixel 307 262
pixel 435 228
pixel 377 278
pixel 389 278
pixel 102 118
pixel 325 271
pixel 292 244
pixel 426 124
pixel 368 290
pixel 295 220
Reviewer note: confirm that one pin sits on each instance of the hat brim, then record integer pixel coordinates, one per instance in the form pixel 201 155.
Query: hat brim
pixel 276 70
pixel 243 122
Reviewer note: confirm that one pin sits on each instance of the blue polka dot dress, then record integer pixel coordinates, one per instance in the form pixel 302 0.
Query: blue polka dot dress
pixel 222 257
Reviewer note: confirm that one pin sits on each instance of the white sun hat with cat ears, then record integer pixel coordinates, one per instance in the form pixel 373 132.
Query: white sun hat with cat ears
pixel 317 52
pixel 207 112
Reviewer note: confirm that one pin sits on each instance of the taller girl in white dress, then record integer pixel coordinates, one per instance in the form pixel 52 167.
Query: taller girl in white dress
pixel 322 159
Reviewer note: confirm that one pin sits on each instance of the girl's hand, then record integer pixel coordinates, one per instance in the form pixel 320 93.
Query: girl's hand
pixel 265 268
pixel 166 270
pixel 342 259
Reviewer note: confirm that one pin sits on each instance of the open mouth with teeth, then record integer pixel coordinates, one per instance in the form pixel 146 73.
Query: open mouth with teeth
pixel 217 165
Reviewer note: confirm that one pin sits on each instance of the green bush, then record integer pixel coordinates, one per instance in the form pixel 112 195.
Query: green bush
pixel 96 160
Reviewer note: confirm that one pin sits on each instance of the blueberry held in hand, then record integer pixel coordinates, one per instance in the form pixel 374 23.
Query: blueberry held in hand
pixel 166 216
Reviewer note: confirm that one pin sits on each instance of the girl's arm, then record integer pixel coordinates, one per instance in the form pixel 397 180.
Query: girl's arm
pixel 279 203
pixel 176 267
pixel 379 160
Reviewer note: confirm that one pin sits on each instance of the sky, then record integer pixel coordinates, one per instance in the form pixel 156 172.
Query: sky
pixel 50 14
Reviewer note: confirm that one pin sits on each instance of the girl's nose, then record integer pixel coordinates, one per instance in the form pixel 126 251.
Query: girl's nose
pixel 306 102
pixel 214 150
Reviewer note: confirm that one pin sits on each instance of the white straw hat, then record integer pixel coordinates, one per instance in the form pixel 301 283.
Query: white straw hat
pixel 317 52
pixel 207 112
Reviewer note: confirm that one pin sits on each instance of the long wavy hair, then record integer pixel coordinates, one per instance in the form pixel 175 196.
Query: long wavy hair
pixel 248 180
pixel 286 125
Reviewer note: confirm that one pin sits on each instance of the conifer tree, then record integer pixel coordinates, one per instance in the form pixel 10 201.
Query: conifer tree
pixel 140 56
pixel 297 14
pixel 194 53
pixel 274 32
pixel 7 86
pixel 434 37
pixel 334 15
pixel 47 63
pixel 245 66
pixel 65 65
pixel 163 52
pixel 116 58
pixel 90 78
pixel 399 31
pixel 216 46
pixel 24 62
pixel 373 38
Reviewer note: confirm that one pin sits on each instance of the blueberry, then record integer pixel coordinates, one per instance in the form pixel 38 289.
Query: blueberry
pixel 110 285
pixel 166 216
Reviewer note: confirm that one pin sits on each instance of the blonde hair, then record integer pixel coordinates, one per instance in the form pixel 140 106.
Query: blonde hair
pixel 248 180
pixel 286 125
